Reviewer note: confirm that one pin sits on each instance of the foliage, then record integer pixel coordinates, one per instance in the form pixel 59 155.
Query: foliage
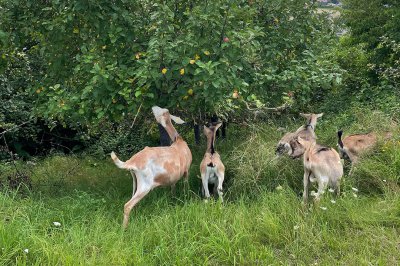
pixel 21 130
pixel 104 59
pixel 365 83
pixel 390 70
pixel 19 69
pixel 369 57
pixel 123 139
pixel 370 21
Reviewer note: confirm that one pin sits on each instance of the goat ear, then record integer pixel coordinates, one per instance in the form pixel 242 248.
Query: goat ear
pixel 300 140
pixel 206 130
pixel 218 125
pixel 176 119
pixel 319 115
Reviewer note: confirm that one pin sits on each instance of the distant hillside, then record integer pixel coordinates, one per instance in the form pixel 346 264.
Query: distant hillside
pixel 327 3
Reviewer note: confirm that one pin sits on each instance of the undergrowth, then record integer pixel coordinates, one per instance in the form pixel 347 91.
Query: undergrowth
pixel 261 222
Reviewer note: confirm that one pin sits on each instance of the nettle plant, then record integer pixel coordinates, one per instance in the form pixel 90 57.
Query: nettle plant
pixel 106 60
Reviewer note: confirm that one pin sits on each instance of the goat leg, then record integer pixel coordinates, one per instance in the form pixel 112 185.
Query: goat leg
pixel 306 183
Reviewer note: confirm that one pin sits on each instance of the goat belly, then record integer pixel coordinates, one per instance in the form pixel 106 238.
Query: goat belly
pixel 165 179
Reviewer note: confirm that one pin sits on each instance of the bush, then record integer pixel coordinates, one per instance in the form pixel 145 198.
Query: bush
pixel 122 138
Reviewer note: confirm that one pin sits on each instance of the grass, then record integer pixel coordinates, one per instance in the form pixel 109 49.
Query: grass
pixel 262 221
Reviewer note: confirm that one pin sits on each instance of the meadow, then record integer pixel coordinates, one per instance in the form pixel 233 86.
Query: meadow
pixel 78 80
pixel 73 213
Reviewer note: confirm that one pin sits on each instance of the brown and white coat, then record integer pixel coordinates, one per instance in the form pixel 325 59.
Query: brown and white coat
pixel 157 166
pixel 354 146
pixel 212 169
pixel 289 144
pixel 321 165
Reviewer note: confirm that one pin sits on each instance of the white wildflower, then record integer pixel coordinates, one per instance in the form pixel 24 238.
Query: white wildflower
pixel 354 189
pixel 279 187
pixel 331 190
pixel 313 193
pixel 333 201
pixel 57 224
pixel 384 180
pixel 296 227
pixel 323 208
pixel 355 195
pixel 26 251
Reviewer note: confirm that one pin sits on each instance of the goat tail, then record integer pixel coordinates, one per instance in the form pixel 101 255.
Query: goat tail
pixel 118 162
pixel 339 134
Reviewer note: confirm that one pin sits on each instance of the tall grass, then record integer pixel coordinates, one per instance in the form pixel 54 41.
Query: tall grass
pixel 261 222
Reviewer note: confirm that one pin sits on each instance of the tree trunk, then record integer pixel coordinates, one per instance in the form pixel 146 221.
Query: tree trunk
pixel 164 137
pixel 196 129
pixel 223 130
pixel 214 119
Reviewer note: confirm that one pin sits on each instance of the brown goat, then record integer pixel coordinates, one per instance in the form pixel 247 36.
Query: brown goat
pixel 354 146
pixel 322 165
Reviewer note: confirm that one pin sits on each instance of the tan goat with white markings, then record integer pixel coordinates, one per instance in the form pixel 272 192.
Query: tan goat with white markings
pixel 322 165
pixel 293 148
pixel 354 146
pixel 157 166
pixel 211 167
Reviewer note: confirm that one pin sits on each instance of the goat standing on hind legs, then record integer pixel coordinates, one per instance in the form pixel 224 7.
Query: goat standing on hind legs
pixel 211 167
pixel 157 166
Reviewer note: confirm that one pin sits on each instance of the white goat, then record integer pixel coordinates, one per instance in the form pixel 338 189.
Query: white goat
pixel 211 167
pixel 157 166
pixel 321 164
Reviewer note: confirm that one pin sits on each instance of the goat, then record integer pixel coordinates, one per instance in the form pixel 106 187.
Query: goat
pixel 293 148
pixel 353 146
pixel 322 165
pixel 157 166
pixel 212 169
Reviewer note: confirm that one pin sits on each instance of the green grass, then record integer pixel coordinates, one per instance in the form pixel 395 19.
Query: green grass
pixel 257 225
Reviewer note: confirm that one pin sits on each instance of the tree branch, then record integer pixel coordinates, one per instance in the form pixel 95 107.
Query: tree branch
pixel 263 109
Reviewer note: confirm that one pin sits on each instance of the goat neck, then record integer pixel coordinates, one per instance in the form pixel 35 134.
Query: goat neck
pixel 309 147
pixel 172 133
pixel 311 120
pixel 210 144
pixel 210 133
pixel 311 123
